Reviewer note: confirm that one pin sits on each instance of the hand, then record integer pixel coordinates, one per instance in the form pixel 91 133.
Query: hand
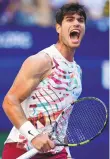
pixel 43 143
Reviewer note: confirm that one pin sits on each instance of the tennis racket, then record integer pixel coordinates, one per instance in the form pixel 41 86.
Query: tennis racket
pixel 87 117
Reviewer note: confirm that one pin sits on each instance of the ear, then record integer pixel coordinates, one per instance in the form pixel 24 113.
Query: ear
pixel 58 28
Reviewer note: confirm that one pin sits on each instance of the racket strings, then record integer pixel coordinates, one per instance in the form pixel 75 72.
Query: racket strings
pixel 61 125
pixel 82 123
pixel 86 121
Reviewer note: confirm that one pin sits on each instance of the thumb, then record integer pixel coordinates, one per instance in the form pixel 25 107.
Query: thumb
pixel 52 144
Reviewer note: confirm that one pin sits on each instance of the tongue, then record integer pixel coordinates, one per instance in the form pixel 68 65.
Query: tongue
pixel 74 39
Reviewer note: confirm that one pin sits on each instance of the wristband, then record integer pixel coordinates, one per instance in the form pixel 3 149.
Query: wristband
pixel 28 130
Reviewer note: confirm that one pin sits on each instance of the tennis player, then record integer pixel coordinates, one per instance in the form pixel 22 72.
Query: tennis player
pixel 46 83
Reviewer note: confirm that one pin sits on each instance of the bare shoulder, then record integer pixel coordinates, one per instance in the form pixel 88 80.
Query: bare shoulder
pixel 42 59
pixel 38 64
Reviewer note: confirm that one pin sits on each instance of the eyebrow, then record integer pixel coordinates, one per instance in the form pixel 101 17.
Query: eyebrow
pixel 70 16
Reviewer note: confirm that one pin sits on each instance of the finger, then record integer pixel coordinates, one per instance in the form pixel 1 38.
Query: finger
pixel 45 148
pixel 48 146
pixel 51 144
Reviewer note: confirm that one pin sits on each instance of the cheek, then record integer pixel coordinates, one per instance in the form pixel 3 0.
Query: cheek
pixel 83 30
pixel 65 29
pixel 65 33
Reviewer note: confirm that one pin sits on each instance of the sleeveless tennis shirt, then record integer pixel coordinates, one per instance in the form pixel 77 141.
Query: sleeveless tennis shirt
pixel 50 97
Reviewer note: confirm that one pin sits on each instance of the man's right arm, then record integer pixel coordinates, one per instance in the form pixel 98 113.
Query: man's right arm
pixel 32 71
pixel 27 79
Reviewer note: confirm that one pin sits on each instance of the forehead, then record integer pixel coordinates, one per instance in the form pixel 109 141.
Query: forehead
pixel 73 15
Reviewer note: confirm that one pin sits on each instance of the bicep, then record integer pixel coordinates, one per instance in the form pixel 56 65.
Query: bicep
pixel 23 85
pixel 29 76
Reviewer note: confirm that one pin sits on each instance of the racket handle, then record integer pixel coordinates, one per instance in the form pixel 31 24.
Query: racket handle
pixel 28 154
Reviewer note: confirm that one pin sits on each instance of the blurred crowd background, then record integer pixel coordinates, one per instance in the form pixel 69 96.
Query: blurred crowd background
pixel 41 12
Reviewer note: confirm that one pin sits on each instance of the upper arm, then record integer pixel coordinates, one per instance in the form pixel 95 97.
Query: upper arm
pixel 29 76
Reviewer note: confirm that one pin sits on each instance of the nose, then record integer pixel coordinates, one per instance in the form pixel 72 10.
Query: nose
pixel 76 23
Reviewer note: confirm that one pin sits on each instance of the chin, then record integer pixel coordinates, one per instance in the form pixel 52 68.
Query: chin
pixel 75 45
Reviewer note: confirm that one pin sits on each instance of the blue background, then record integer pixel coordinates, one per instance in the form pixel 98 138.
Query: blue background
pixel 92 53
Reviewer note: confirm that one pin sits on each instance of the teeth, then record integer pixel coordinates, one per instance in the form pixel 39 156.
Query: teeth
pixel 75 31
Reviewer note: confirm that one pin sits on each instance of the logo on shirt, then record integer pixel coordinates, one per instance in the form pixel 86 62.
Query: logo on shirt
pixel 29 132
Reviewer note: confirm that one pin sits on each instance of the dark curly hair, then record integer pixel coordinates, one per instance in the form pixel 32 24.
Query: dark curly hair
pixel 70 8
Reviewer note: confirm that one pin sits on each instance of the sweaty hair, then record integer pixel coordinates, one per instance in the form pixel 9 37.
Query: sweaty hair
pixel 70 8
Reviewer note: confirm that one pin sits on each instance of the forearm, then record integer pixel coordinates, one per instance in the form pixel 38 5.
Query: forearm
pixel 15 113
pixel 12 108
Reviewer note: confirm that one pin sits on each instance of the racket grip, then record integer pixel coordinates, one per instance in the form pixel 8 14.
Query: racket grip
pixel 28 154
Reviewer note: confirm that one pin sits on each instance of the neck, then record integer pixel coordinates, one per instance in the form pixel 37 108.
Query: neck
pixel 67 53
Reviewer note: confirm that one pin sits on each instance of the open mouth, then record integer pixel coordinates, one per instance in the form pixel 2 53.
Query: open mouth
pixel 75 34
